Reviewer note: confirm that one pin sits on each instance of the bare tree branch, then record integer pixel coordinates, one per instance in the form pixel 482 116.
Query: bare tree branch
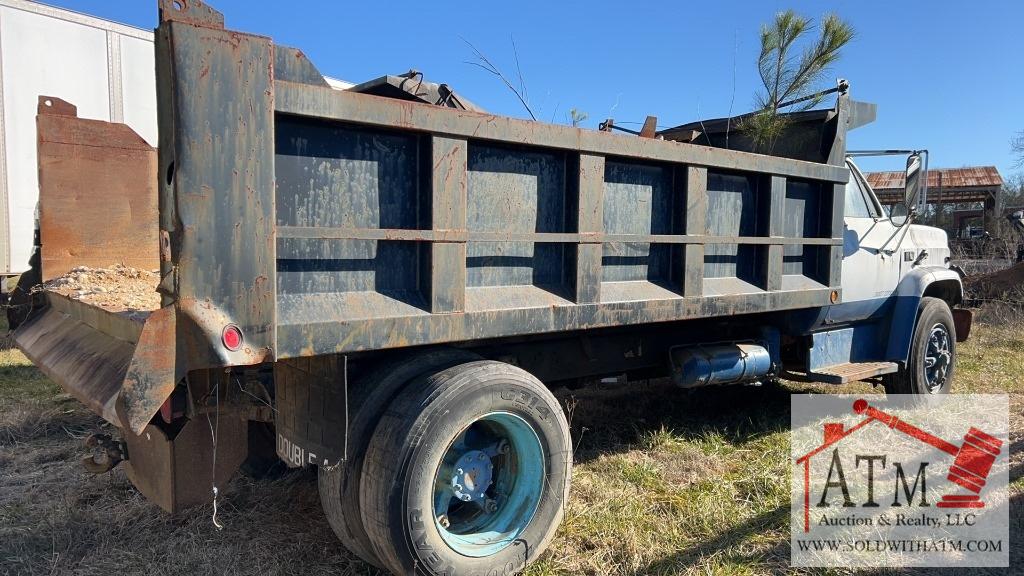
pixel 519 71
pixel 1017 147
pixel 486 64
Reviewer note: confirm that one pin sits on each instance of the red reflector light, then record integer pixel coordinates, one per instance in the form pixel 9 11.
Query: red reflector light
pixel 232 337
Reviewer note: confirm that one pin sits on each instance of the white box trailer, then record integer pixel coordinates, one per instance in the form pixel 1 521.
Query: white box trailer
pixel 104 68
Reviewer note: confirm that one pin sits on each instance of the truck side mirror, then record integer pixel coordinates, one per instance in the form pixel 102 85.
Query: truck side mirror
pixel 899 213
pixel 913 182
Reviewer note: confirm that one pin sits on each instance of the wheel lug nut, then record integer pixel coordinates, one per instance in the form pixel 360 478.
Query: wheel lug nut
pixel 466 497
pixel 491 506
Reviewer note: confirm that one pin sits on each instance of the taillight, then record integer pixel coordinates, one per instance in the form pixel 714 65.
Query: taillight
pixel 232 337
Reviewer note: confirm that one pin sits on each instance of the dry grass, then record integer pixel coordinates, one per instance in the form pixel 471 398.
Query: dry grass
pixel 666 482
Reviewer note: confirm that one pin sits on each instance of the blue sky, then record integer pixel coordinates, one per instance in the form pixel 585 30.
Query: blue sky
pixel 946 76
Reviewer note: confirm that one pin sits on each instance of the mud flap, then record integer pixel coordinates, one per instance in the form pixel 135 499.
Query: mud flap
pixel 176 469
pixel 312 410
pixel 962 320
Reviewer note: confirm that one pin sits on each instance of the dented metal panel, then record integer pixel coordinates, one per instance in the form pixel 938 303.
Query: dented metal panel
pixel 84 348
pixel 97 193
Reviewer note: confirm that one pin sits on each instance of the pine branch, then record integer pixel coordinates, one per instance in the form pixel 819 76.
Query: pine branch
pixel 787 75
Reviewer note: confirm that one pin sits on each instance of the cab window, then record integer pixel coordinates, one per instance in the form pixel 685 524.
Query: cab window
pixel 858 205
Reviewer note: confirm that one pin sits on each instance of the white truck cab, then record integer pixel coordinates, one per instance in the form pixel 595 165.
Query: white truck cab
pixel 898 288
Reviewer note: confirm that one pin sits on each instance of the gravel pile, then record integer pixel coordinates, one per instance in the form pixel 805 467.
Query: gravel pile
pixel 118 288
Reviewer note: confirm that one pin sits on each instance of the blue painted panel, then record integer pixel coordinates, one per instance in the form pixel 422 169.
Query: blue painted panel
pixel 341 175
pixel 803 219
pixel 638 199
pixel 860 343
pixel 516 191
pixel 733 210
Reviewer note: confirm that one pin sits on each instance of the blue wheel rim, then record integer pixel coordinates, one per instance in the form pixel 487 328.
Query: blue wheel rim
pixel 489 484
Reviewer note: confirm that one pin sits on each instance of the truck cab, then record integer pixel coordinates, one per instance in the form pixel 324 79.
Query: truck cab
pixel 892 270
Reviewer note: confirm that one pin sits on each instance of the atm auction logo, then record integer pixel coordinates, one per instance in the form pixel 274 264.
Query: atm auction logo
pixel 899 481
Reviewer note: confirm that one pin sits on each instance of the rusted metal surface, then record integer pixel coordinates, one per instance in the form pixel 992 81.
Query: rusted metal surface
pixel 954 185
pixel 153 372
pixel 292 65
pixel 215 106
pixel 97 193
pixel 981 176
pixel 366 222
pixel 412 86
pixel 364 109
pixel 176 470
pixel 85 349
pixel 962 321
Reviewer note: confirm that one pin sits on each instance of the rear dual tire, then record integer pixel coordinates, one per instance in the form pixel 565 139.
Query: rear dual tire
pixel 484 422
pixel 340 484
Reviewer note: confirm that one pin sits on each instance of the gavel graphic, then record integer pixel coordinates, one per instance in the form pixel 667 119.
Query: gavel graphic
pixel 972 461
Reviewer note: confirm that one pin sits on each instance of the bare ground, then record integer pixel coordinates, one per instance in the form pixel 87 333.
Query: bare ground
pixel 666 482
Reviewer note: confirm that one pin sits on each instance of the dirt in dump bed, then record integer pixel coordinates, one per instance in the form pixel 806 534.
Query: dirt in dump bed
pixel 118 288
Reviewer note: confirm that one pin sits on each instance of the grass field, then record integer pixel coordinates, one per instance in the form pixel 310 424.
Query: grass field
pixel 665 482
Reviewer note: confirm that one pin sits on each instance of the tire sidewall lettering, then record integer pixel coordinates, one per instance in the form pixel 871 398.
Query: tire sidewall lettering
pixel 528 401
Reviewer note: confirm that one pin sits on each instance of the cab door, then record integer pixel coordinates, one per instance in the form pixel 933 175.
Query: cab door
pixel 870 275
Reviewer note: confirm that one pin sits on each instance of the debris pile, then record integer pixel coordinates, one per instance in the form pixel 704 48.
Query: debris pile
pixel 117 289
pixel 1006 284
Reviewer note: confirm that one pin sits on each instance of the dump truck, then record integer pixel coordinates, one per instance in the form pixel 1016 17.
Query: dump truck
pixel 388 288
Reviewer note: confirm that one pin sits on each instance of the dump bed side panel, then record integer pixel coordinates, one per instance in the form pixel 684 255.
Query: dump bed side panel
pixel 403 224
pixel 324 221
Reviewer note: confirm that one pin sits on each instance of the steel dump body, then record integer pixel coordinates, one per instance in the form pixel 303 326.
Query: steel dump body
pixel 319 221
pixel 322 221
pixel 302 228
pixel 401 224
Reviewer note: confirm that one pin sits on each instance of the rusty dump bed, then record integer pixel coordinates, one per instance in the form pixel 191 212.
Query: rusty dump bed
pixel 88 328
pixel 321 221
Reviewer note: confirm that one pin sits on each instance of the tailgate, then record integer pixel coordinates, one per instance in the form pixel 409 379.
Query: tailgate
pixel 110 361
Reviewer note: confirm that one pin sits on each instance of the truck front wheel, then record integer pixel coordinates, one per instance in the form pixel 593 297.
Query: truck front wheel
pixel 932 356
pixel 468 472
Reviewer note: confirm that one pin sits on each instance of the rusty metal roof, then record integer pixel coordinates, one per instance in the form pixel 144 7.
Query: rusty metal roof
pixel 970 177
